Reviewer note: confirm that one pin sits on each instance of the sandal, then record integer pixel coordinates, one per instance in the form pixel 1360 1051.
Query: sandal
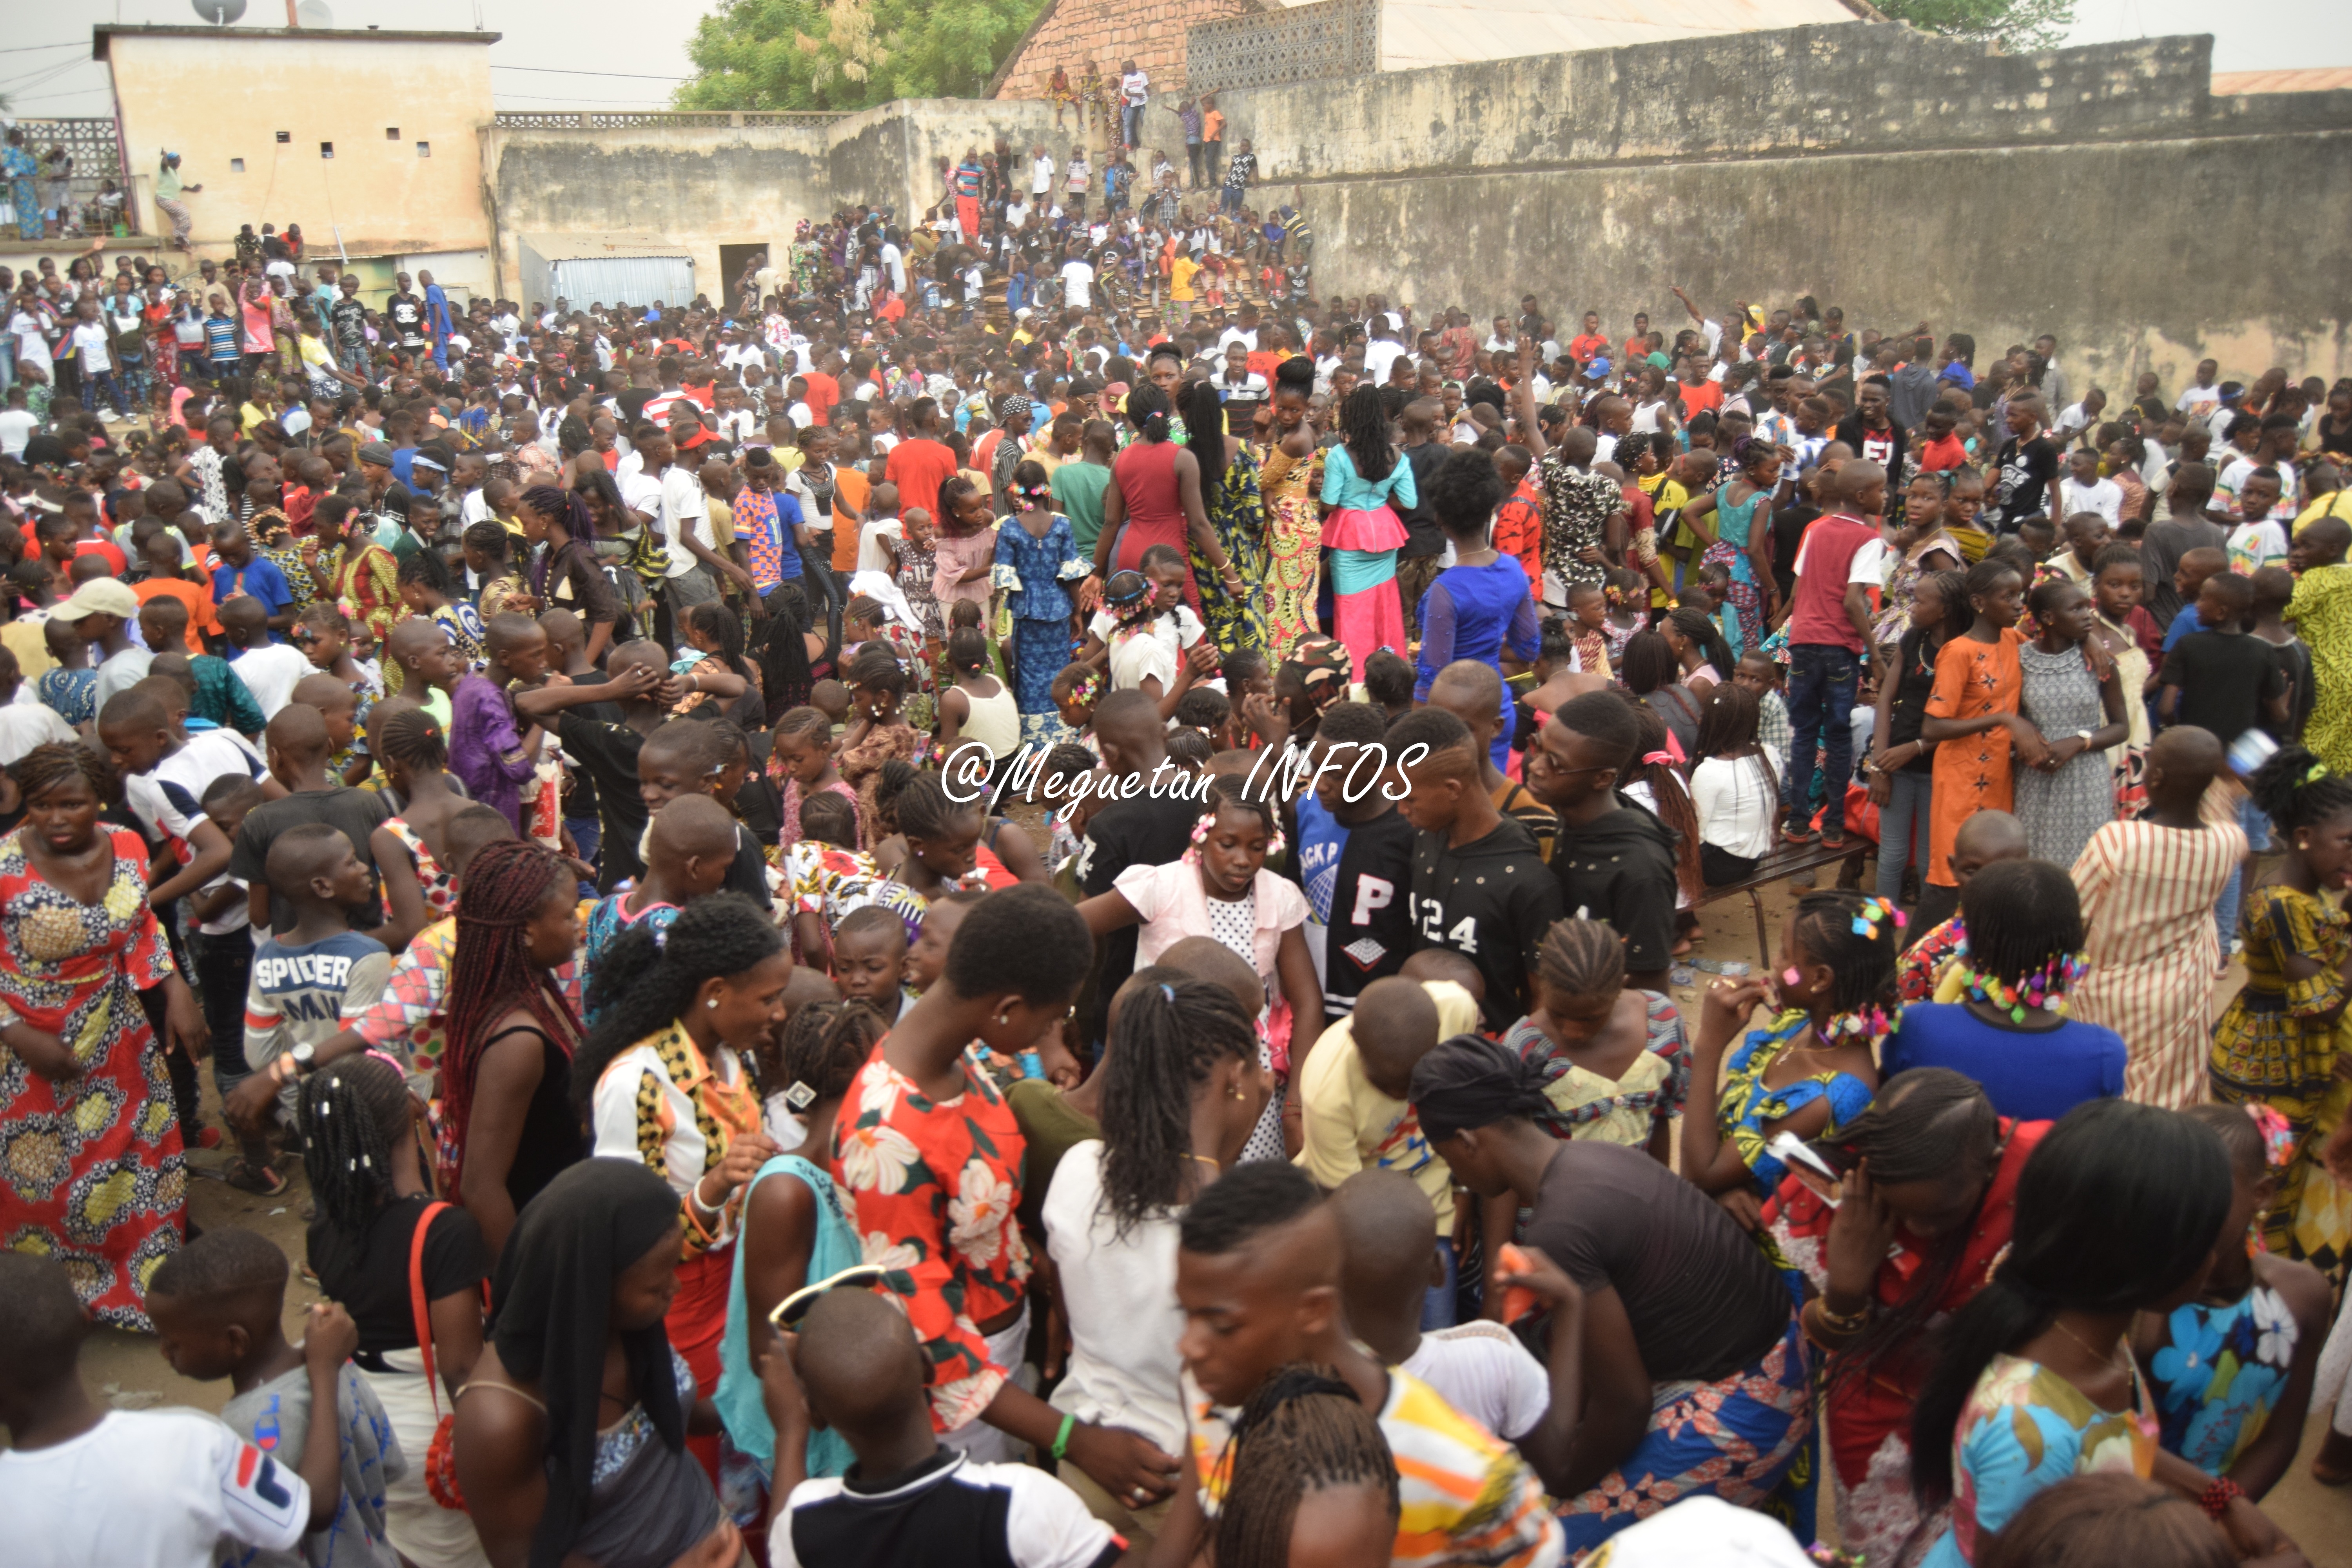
pixel 263 1181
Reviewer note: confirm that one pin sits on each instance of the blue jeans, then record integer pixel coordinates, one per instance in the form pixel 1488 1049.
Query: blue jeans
pixel 2258 836
pixel 1130 120
pixel 92 381
pixel 1437 1307
pixel 1905 831
pixel 1229 200
pixel 1823 678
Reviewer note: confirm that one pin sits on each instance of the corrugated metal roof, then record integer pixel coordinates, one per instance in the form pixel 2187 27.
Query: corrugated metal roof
pixel 2323 79
pixel 1442 32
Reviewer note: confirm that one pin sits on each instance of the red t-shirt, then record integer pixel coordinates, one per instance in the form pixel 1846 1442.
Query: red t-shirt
pixel 1824 560
pixel 1706 394
pixel 1590 346
pixel 1937 456
pixel 823 392
pixel 919 467
pixel 107 548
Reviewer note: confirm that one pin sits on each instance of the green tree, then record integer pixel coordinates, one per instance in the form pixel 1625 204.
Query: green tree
pixel 848 54
pixel 2018 26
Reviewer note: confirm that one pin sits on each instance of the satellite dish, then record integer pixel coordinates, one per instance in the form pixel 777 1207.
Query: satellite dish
pixel 314 14
pixel 220 13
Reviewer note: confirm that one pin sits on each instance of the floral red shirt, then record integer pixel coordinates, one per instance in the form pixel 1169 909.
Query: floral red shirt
pixel 1518 531
pixel 933 1185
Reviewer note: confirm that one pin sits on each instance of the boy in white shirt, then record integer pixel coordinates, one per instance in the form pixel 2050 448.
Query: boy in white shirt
pixel 61 1479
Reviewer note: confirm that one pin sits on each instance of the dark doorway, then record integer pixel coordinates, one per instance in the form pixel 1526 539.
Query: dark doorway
pixel 732 259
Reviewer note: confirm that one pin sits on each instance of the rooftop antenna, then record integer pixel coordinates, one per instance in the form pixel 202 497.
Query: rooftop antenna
pixel 220 13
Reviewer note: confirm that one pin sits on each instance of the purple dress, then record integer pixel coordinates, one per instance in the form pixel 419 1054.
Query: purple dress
pixel 485 747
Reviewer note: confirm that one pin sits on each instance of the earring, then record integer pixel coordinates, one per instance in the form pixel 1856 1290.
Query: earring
pixel 1004 1018
pixel 712 1003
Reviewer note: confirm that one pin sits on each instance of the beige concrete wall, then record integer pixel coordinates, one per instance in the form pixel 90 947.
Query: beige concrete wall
pixel 214 99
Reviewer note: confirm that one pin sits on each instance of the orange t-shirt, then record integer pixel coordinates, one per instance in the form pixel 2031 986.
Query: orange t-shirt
pixel 823 392
pixel 849 484
pixel 193 598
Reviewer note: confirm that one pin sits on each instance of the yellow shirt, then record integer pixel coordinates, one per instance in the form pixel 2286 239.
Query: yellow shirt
pixel 2335 504
pixel 1181 273
pixel 1350 1126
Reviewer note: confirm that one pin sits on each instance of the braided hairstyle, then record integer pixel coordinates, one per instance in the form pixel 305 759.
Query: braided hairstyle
pixel 646 979
pixel 490 969
pixel 1695 625
pixel 2118 1206
pixel 1172 1033
pixel 826 1044
pixel 2295 792
pixel 425 569
pixel 2022 918
pixel 1304 1431
pixel 1581 957
pixel 723 627
pixel 1232 790
pixel 1925 1124
pixel 967 650
pixel 916 802
pixel 352 1112
pixel 44 767
pixel 782 645
pixel 414 738
pixel 561 508
pixel 1364 428
pixel 1147 410
pixel 1862 967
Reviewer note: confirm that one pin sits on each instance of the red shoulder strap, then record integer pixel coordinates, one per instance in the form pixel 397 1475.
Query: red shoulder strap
pixel 417 1308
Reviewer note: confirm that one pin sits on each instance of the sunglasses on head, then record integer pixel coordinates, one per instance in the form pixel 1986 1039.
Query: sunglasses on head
pixel 794 1306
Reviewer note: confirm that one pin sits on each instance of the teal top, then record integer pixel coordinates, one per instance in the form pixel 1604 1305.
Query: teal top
pixel 835 1249
pixel 1731 526
pixel 1350 491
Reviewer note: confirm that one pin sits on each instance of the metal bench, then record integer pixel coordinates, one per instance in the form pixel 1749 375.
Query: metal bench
pixel 1785 861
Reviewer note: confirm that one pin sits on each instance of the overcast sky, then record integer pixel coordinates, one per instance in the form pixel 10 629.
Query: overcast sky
pixel 632 53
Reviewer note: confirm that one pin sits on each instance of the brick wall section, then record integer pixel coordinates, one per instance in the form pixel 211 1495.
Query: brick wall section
pixel 1107 32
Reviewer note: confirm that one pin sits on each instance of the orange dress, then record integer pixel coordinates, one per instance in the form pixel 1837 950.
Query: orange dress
pixel 1972 679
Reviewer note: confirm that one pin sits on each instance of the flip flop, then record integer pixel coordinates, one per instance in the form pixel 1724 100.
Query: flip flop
pixel 263 1181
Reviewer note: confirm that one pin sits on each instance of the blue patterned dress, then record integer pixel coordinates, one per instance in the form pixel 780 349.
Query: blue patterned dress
pixel 1036 574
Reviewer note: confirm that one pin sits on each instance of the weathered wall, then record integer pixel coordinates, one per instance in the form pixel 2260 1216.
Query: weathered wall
pixel 2088 193
pixel 214 96
pixel 697 185
pixel 2101 194
pixel 1100 34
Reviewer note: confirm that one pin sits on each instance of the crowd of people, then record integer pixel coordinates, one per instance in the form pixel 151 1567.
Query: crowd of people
pixel 1046 927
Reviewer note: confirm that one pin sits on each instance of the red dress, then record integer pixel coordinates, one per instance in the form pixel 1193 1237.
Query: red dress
pixel 94 1175
pixel 1146 476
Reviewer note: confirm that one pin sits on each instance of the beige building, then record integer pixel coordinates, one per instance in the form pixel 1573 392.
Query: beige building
pixel 370 139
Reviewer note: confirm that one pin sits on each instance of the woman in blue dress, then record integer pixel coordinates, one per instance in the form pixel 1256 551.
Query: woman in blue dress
pixel 1037 559
pixel 1735 542
pixel 1478 607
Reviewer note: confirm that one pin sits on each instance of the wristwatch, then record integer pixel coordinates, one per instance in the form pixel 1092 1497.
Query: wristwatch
pixel 303 1057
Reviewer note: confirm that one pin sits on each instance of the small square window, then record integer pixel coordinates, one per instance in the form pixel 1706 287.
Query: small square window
pixel 326 149
pixel 425 149
pixel 392 132
pixel 237 166
pixel 284 136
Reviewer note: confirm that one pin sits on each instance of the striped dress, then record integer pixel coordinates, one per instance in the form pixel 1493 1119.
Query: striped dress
pixel 2148 894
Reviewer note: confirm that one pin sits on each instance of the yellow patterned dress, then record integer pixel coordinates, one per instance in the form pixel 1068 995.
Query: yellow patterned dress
pixel 94 1175
pixel 2322 611
pixel 2283 1043
pixel 1294 533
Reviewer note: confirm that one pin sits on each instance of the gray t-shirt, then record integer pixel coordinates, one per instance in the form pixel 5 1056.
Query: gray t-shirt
pixel 276 1418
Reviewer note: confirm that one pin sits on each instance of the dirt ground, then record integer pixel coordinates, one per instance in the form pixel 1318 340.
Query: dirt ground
pixel 126 1370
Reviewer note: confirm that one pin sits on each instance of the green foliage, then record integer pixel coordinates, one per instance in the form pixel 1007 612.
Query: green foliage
pixel 848 54
pixel 2020 27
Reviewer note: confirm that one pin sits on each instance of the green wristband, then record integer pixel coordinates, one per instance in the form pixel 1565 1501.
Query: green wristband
pixel 1062 1437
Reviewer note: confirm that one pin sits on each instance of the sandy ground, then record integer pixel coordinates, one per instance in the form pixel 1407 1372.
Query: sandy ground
pixel 126 1368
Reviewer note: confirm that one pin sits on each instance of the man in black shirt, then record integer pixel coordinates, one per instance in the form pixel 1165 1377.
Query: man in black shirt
pixel 406 312
pixel 1478 885
pixel 2028 470
pixel 608 750
pixel 1615 862
pixel 296 740
pixel 1149 826
pixel 2220 678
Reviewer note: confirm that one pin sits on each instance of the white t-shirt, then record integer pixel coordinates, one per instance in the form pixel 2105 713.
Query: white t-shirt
pixel 271 674
pixel 1485 1373
pixel 89 342
pixel 17 427
pixel 1041 176
pixel 1078 284
pixel 1235 336
pixel 1135 89
pixel 2198 402
pixel 1378 355
pixel 684 505
pixel 1150 652
pixel 1120 1294
pixel 25 725
pixel 197 1482
pixel 2102 496
pixel 1735 800
pixel 32 346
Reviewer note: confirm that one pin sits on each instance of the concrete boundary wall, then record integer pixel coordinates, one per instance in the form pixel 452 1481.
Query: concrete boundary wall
pixel 2101 194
